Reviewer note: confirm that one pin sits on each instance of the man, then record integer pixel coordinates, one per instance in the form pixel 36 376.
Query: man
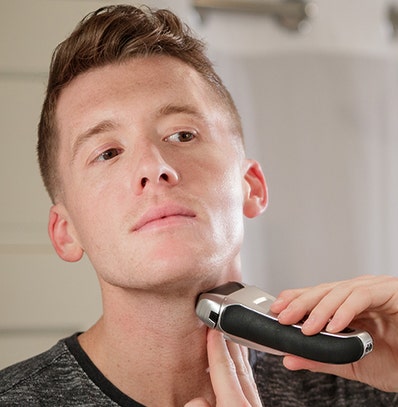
pixel 141 151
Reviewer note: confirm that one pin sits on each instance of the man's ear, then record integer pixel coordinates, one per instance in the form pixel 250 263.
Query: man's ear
pixel 256 195
pixel 62 235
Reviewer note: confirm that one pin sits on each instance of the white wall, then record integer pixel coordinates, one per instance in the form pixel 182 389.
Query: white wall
pixel 319 110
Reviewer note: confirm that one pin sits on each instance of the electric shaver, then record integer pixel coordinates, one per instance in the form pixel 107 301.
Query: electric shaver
pixel 242 313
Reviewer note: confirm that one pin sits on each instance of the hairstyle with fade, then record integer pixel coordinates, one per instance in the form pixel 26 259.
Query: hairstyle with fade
pixel 112 35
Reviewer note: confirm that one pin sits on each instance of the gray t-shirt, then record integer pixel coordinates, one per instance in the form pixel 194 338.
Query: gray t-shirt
pixel 65 376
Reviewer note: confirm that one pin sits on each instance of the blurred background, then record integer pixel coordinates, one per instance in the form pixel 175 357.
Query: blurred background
pixel 316 83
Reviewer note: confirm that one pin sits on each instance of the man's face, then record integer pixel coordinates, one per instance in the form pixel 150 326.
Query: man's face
pixel 152 175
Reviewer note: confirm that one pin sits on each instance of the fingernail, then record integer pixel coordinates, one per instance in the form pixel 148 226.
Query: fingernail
pixel 278 301
pixel 282 314
pixel 276 305
pixel 309 322
pixel 331 326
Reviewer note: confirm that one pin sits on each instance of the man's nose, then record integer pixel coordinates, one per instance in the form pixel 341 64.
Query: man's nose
pixel 153 170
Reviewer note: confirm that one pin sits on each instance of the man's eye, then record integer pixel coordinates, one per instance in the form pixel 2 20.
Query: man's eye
pixel 108 154
pixel 181 137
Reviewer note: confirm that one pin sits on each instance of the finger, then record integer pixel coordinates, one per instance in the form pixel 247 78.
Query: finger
pixel 232 381
pixel 240 357
pixel 322 303
pixel 199 402
pixel 326 309
pixel 344 302
pixel 222 369
pixel 381 294
pixel 295 363
pixel 245 356
pixel 303 303
pixel 357 302
pixel 284 299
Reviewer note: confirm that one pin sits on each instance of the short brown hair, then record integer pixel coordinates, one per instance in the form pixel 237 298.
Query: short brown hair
pixel 109 35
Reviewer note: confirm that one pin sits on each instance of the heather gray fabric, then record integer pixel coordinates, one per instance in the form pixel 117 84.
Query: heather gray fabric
pixel 280 387
pixel 65 376
pixel 62 376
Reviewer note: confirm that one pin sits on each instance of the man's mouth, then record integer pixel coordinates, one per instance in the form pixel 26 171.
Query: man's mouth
pixel 163 216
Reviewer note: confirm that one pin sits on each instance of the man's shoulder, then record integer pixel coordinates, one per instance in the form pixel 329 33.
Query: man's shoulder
pixel 35 378
pixel 33 368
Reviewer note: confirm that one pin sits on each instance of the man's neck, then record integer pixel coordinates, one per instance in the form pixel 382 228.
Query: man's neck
pixel 153 348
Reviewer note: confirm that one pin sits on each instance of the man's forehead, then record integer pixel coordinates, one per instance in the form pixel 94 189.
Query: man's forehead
pixel 140 70
pixel 158 73
pixel 149 78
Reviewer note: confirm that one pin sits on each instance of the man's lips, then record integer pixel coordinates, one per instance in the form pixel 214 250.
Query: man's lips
pixel 162 214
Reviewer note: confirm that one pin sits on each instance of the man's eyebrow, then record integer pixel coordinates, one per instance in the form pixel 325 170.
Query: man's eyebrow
pixel 171 109
pixel 109 125
pixel 101 127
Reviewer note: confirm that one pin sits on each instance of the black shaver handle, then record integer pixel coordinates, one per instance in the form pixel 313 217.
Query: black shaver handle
pixel 242 322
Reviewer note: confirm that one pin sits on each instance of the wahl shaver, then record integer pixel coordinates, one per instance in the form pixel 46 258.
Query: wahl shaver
pixel 242 313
